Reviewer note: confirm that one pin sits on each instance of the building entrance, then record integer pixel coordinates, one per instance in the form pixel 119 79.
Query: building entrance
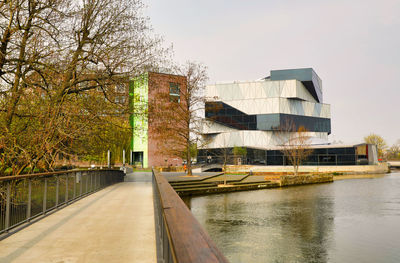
pixel 137 158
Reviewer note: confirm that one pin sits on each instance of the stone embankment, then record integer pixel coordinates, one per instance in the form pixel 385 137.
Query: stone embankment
pixel 394 164
pixel 289 180
pixel 205 184
pixel 339 169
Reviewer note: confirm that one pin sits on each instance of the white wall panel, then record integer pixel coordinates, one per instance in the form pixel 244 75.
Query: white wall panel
pixel 303 93
pixel 213 127
pixel 259 89
pixel 281 105
pixel 255 139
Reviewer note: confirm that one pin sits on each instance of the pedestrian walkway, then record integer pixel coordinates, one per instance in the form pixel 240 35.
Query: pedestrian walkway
pixel 115 224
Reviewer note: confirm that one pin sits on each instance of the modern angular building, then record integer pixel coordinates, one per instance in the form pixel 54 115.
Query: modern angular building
pixel 145 90
pixel 249 114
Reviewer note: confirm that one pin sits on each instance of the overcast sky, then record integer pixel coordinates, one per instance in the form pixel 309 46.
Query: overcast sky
pixel 353 45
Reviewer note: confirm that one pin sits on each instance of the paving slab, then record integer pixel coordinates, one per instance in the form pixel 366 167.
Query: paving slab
pixel 182 177
pixel 115 224
pixel 229 178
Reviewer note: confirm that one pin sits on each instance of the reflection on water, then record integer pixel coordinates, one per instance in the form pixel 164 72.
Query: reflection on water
pixel 356 220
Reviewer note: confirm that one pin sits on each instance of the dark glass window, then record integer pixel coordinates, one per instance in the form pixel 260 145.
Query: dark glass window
pixel 174 92
pixel 231 117
pixel 275 157
pixel 327 159
pixel 320 151
pixel 337 151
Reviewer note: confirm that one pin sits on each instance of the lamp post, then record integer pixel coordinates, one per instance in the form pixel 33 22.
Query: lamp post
pixel 108 158
pixel 123 158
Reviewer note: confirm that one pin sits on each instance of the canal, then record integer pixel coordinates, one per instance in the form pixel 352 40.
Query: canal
pixel 350 220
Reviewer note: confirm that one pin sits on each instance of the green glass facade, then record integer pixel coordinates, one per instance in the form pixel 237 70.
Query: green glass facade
pixel 139 97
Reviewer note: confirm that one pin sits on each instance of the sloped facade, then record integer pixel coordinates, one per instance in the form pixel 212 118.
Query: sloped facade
pixel 246 114
pixel 249 114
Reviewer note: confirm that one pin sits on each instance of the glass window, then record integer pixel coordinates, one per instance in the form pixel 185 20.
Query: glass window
pixel 120 99
pixel 174 92
pixel 227 115
pixel 120 88
pixel 327 159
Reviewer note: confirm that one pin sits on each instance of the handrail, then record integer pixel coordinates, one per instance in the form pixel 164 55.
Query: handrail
pixel 180 237
pixel 25 197
pixel 22 176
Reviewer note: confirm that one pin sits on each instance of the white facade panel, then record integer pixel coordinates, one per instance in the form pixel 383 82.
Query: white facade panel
pixel 258 90
pixel 254 139
pixel 280 105
pixel 209 127
pixel 303 93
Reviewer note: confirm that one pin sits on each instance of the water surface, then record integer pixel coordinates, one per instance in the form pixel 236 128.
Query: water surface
pixel 353 220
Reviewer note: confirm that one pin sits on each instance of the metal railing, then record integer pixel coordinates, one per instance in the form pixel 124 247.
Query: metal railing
pixel 25 197
pixel 179 236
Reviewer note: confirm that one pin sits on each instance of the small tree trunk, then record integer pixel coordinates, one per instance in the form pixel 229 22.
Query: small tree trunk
pixel 189 161
pixel 225 173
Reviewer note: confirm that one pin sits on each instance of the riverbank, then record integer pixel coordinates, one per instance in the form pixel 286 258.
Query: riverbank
pixel 247 177
pixel 205 184
pixel 380 168
pixel 357 176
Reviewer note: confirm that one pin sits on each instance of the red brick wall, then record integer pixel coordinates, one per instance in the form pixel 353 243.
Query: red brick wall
pixel 159 83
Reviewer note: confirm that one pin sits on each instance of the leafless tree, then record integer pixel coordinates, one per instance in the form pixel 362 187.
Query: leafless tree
pixel 226 155
pixel 393 153
pixel 294 144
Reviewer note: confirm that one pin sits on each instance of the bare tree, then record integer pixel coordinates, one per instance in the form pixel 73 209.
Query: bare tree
pixel 226 155
pixel 294 144
pixel 393 153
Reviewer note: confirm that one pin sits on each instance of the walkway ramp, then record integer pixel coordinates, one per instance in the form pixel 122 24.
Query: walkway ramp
pixel 115 224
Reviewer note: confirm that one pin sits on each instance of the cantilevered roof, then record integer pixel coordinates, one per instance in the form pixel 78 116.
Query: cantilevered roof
pixel 307 76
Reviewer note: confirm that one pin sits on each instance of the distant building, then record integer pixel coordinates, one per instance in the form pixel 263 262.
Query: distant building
pixel 249 114
pixel 144 90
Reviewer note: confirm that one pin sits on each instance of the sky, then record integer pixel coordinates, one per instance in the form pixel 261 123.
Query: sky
pixel 353 45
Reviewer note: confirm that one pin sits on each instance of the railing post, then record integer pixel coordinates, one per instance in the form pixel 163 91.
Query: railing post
pixel 45 196
pixel 74 181
pixel 57 188
pixel 95 180
pixel 66 188
pixel 91 182
pixel 80 183
pixel 87 183
pixel 29 205
pixel 8 203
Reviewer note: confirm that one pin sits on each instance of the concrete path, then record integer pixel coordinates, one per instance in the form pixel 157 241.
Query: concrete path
pixel 115 224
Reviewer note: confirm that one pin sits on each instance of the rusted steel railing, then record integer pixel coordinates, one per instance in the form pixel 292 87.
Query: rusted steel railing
pixel 25 197
pixel 179 236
